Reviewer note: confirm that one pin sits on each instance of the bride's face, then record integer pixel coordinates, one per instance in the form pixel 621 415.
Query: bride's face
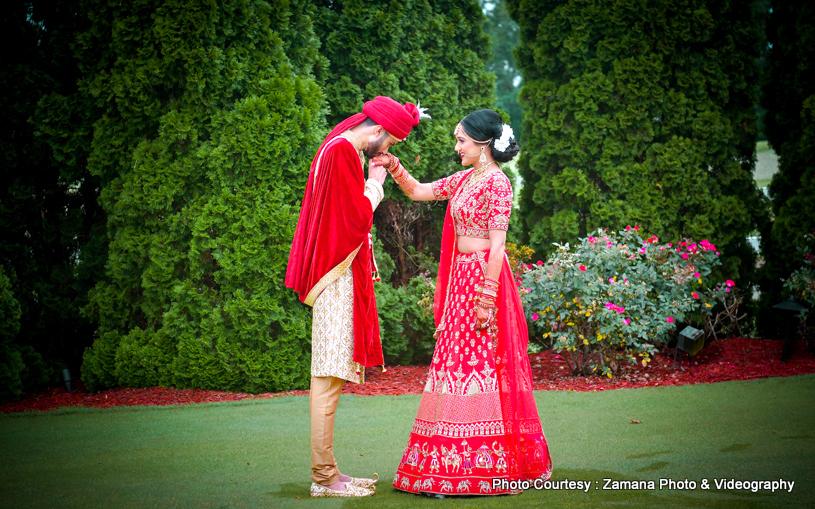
pixel 467 149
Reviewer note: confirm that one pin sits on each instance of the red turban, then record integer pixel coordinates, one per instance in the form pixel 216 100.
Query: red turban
pixel 395 118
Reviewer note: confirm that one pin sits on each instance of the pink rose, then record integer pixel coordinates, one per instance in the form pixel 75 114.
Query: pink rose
pixel 627 321
pixel 670 319
pixel 730 283
pixel 697 275
pixel 583 268
pixel 535 317
pixel 695 295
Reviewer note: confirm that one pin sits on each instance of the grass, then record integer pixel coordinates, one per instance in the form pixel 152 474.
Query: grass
pixel 255 453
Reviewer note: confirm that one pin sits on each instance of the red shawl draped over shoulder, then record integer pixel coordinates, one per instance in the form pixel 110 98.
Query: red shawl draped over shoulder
pixel 333 228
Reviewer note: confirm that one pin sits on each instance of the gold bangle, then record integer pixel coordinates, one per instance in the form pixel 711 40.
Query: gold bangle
pixel 395 171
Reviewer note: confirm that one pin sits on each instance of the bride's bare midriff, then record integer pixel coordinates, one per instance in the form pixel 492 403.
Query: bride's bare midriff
pixel 471 244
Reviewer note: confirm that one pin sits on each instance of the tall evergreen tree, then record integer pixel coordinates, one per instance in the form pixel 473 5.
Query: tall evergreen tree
pixel 640 112
pixel 48 212
pixel 789 97
pixel 428 51
pixel 505 36
pixel 204 116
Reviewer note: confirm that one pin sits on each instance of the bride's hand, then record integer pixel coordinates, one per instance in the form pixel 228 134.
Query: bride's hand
pixel 482 317
pixel 380 160
pixel 384 160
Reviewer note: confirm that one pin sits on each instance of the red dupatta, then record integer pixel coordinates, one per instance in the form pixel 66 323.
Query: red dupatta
pixel 333 228
pixel 528 453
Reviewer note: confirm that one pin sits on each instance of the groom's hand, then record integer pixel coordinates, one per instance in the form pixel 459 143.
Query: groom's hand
pixel 377 172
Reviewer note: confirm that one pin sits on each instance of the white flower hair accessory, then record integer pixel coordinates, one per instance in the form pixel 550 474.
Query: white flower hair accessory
pixel 502 143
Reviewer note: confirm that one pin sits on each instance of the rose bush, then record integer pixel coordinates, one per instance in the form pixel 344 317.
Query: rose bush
pixel 616 296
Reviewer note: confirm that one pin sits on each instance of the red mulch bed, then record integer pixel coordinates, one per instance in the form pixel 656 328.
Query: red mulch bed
pixel 720 361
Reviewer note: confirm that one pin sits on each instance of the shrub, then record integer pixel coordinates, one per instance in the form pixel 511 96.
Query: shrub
pixel 405 314
pixel 616 296
pixel 204 125
pixel 11 361
pixel 801 284
pixel 519 257
pixel 789 97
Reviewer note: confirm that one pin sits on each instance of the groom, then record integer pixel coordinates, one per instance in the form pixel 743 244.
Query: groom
pixel 331 267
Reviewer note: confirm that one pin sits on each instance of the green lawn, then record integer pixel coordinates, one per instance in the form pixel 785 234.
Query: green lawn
pixel 256 453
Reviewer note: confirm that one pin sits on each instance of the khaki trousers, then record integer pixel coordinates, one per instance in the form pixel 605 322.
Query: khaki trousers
pixel 323 398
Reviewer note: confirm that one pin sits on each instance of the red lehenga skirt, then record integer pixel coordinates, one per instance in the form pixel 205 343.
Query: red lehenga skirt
pixel 477 419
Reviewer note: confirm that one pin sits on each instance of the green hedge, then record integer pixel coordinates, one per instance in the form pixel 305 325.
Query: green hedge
pixel 640 113
pixel 204 119
pixel 789 97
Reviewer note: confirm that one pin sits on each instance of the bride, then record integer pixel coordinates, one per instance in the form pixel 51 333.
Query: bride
pixel 477 422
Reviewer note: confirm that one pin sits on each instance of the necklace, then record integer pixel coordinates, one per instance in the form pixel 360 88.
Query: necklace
pixel 478 175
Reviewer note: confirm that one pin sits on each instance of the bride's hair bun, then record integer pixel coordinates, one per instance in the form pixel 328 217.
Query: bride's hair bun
pixel 487 125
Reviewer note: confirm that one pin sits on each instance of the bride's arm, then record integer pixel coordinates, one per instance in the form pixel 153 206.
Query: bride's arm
pixel 484 312
pixel 414 189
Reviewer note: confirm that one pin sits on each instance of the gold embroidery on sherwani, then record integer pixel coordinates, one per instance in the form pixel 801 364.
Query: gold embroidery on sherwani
pixel 329 278
pixel 332 333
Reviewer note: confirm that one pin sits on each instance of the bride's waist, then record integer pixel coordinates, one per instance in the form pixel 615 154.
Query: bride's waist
pixel 468 245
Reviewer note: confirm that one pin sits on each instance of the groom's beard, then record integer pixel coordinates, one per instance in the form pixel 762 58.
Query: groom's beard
pixel 376 147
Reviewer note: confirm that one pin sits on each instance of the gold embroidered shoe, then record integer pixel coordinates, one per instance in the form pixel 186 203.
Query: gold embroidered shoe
pixel 364 482
pixel 351 490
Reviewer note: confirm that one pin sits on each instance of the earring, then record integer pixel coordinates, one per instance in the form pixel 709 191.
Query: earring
pixel 483 157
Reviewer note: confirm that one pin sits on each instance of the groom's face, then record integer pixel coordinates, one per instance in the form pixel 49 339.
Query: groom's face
pixel 378 145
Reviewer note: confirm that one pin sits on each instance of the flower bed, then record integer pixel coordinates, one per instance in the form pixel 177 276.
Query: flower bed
pixel 615 298
pixel 723 360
